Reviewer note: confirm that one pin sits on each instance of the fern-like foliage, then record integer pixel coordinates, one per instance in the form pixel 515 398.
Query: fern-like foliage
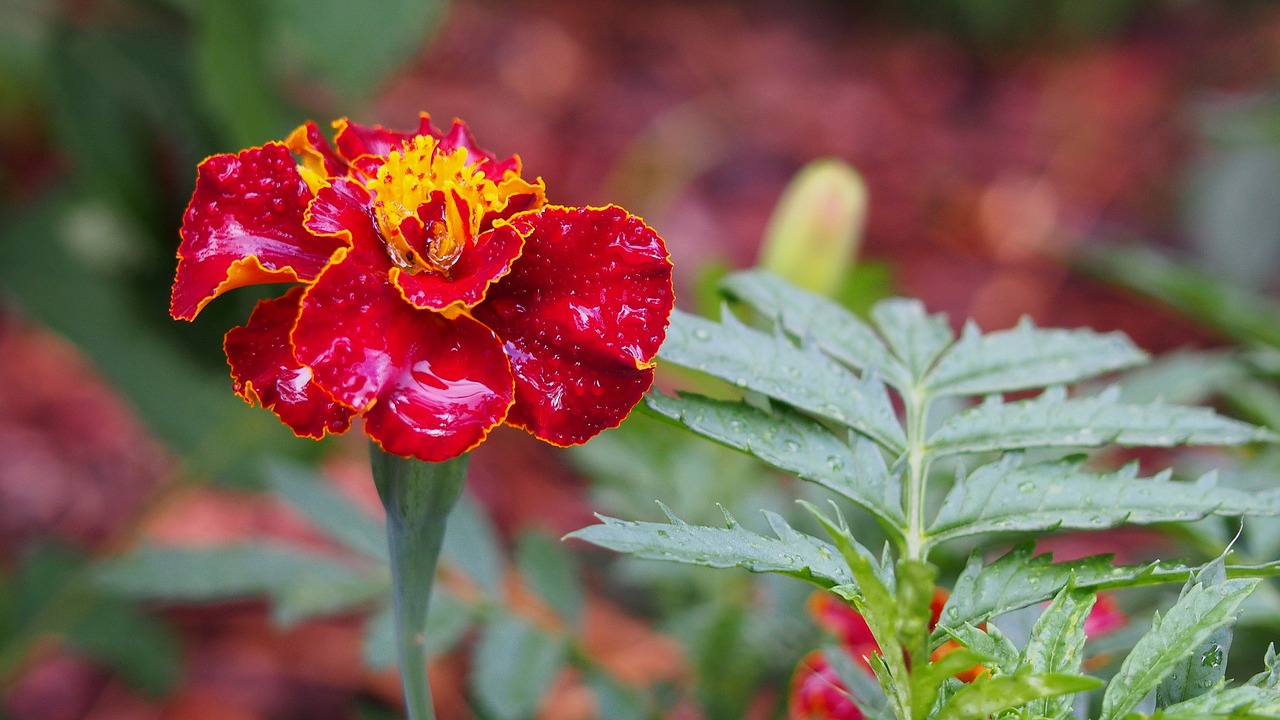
pixel 853 407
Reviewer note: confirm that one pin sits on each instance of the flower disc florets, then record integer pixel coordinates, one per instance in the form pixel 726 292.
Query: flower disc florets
pixel 437 294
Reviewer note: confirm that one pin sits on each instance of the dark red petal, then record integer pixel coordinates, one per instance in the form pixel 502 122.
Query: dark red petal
pixel 244 226
pixel 265 371
pixel 454 387
pixel 315 150
pixel 477 269
pixel 432 386
pixel 581 314
pixel 355 140
pixel 342 210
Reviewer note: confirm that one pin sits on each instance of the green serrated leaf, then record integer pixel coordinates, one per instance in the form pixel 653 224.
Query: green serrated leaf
pixel 790 553
pixel 915 336
pixel 1001 654
pixel 1028 357
pixel 551 571
pixel 1052 420
pixel 1205 667
pixel 1186 625
pixel 1020 578
pixel 864 691
pixel 1238 703
pixel 330 511
pixel 197 575
pixel 513 667
pixel 986 696
pixel 1056 644
pixel 796 444
pixel 774 366
pixel 817 320
pixel 1007 496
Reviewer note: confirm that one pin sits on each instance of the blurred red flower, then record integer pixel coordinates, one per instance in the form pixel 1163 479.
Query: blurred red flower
pixel 438 294
pixel 817 693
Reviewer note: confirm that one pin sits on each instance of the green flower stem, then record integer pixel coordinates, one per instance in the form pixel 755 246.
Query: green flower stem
pixel 917 409
pixel 418 497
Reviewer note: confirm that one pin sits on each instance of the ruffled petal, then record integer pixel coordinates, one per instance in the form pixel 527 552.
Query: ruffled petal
pixel 244 226
pixel 430 386
pixel 266 372
pixel 319 161
pixel 341 211
pixel 355 140
pixel 581 314
pixel 454 386
pixel 478 267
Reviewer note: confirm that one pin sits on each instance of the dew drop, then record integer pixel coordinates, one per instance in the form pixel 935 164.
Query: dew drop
pixel 1026 487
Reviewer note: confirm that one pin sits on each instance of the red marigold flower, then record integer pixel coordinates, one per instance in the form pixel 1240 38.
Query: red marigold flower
pixel 438 294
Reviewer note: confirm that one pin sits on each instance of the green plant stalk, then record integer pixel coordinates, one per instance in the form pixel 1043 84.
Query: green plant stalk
pixel 418 497
pixel 917 409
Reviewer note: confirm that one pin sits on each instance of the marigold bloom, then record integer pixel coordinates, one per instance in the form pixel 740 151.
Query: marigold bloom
pixel 437 295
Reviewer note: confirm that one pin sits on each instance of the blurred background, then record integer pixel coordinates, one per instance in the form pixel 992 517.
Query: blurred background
pixel 168 552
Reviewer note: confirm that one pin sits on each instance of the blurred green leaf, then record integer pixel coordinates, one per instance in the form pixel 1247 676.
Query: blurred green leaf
pixel 142 650
pixel 614 700
pixel 235 73
pixel 330 510
pixel 514 666
pixel 551 571
pixel 471 545
pixel 352 46
pixel 1238 314
pixel 238 571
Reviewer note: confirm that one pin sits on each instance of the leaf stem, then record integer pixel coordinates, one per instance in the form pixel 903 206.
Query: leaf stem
pixel 418 497
pixel 917 409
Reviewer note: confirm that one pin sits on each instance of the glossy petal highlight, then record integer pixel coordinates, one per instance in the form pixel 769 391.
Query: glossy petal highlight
pixel 244 226
pixel 468 281
pixel 452 388
pixel 581 315
pixel 266 372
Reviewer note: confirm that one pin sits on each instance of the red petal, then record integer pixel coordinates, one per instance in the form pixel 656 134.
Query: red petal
pixel 266 371
pixel 818 694
pixel 355 140
pixel 453 388
pixel 581 314
pixel 245 226
pixel 316 152
pixel 341 210
pixel 432 386
pixel 477 268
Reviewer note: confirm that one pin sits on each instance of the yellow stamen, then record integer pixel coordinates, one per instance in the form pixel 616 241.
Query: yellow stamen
pixel 407 180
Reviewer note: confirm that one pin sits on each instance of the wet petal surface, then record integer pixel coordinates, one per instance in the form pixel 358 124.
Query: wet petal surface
pixel 430 386
pixel 245 226
pixel 266 372
pixel 476 269
pixel 581 315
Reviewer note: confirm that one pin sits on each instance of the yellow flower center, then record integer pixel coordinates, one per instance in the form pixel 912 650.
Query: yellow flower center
pixel 429 205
